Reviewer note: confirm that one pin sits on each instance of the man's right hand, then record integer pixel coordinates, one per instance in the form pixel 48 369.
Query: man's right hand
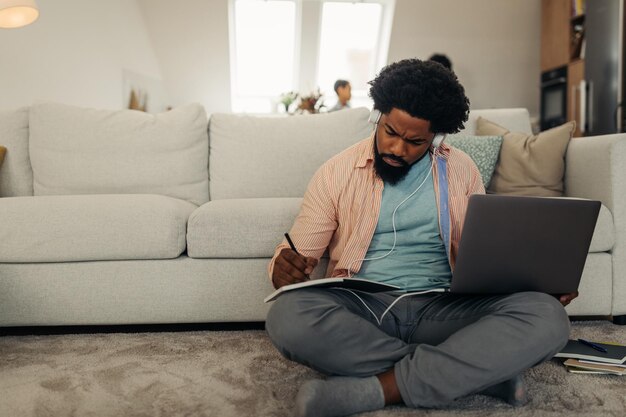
pixel 291 267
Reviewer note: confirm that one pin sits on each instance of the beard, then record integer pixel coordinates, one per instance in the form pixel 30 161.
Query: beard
pixel 389 173
pixel 386 172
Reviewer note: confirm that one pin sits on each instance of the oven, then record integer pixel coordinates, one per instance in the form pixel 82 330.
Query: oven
pixel 553 98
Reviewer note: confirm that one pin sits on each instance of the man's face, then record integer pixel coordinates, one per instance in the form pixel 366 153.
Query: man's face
pixel 344 93
pixel 401 141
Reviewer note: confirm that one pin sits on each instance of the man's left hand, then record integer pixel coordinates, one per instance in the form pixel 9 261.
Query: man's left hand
pixel 565 299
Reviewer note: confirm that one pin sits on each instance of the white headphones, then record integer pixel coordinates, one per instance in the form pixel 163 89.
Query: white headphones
pixel 375 116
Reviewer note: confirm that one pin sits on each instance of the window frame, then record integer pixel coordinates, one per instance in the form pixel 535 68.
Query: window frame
pixel 302 58
pixel 381 48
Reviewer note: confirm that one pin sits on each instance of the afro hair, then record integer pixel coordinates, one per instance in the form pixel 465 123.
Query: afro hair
pixel 423 89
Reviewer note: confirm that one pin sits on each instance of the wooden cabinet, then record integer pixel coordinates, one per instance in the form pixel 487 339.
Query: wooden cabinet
pixel 562 33
pixel 555 33
pixel 575 77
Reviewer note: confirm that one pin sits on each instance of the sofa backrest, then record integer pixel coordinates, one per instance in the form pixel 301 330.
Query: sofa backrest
pixel 75 150
pixel 269 156
pixel 16 174
pixel 85 151
pixel 273 156
pixel 515 119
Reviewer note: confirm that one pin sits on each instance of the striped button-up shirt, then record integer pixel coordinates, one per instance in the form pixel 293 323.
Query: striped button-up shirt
pixel 340 208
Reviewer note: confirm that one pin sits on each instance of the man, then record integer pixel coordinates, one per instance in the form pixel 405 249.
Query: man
pixel 344 94
pixel 442 59
pixel 379 208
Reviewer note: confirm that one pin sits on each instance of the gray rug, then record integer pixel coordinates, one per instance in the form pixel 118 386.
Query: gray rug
pixel 238 374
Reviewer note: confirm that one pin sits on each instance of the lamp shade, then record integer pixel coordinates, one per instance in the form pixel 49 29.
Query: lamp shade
pixel 17 13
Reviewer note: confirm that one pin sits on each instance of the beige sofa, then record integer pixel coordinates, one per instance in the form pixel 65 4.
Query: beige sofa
pixel 128 218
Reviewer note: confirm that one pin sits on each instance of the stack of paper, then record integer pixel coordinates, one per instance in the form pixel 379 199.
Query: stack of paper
pixel 578 366
pixel 584 357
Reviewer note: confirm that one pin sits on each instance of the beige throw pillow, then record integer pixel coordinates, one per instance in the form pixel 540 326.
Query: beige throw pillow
pixel 531 165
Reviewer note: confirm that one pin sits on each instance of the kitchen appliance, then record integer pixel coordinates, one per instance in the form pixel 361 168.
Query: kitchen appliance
pixel 603 54
pixel 553 98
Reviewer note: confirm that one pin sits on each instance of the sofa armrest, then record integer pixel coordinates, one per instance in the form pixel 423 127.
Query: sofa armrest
pixel 595 168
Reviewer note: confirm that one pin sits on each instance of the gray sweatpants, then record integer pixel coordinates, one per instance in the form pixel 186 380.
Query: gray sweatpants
pixel 442 346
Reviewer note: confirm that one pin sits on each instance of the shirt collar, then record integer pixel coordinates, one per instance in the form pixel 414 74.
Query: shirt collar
pixel 367 154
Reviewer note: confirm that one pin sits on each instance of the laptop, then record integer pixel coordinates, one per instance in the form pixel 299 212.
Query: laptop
pixel 512 244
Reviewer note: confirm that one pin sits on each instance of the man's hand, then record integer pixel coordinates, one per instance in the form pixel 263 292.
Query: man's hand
pixel 565 299
pixel 291 267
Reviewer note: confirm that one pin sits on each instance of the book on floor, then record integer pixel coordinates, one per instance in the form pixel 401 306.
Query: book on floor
pixel 585 371
pixel 615 354
pixel 578 366
pixel 349 283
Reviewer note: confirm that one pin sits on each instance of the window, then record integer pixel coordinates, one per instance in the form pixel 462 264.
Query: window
pixel 279 46
pixel 349 47
pixel 263 42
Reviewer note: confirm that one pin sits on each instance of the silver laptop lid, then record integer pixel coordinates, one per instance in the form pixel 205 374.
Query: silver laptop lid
pixel 512 244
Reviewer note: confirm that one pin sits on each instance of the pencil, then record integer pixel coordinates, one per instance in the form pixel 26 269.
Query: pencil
pixel 293 247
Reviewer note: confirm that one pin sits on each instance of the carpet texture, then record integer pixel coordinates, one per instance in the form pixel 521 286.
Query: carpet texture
pixel 238 373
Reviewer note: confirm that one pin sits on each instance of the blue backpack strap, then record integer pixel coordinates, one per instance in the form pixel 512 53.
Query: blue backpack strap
pixel 444 208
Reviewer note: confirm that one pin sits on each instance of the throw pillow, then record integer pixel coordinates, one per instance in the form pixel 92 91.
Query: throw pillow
pixel 531 165
pixel 483 150
pixel 3 151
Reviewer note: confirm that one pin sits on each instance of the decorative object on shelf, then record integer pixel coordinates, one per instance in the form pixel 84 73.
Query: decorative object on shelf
pixel 577 37
pixel 312 103
pixel 578 7
pixel 17 13
pixel 138 100
pixel 287 99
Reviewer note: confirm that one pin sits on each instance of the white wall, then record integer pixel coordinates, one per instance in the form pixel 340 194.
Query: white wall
pixel 82 51
pixel 190 38
pixel 76 53
pixel 494 45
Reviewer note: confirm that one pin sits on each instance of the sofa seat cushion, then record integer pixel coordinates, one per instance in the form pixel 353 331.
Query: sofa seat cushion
pixel 240 228
pixel 253 227
pixel 604 234
pixel 92 227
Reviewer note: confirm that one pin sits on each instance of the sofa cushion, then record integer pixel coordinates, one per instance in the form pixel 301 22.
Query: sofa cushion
pixel 240 228
pixel 92 227
pixel 85 151
pixel 253 227
pixel 484 151
pixel 529 164
pixel 277 156
pixel 16 174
